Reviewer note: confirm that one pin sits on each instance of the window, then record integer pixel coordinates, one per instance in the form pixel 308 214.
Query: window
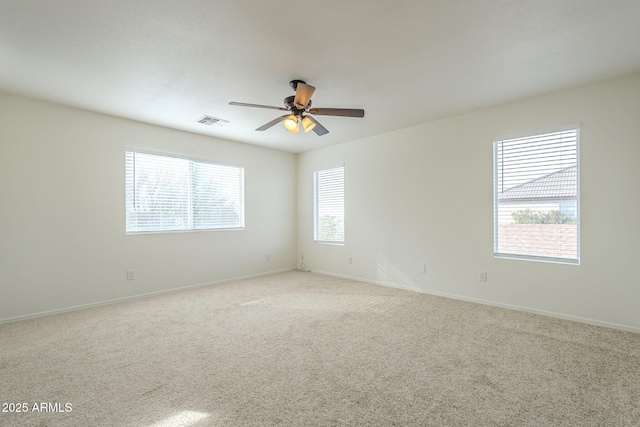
pixel 175 194
pixel 537 198
pixel 328 205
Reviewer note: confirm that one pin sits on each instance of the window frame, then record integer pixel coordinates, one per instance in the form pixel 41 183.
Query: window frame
pixel 316 238
pixel 529 257
pixel 191 159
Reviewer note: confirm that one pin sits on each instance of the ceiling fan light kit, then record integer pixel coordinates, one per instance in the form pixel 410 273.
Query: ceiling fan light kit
pixel 299 111
pixel 291 124
pixel 307 124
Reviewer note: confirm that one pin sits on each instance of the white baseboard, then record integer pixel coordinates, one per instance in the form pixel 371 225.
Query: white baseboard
pixel 589 321
pixel 134 297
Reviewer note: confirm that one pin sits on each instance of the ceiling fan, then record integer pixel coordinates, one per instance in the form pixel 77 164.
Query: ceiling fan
pixel 299 111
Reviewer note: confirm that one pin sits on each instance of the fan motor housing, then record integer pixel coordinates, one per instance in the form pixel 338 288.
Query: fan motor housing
pixel 289 104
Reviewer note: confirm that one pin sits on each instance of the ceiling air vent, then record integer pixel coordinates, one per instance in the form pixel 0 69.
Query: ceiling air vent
pixel 210 120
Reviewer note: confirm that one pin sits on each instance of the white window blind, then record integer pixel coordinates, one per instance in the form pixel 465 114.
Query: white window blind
pixel 173 194
pixel 536 197
pixel 328 196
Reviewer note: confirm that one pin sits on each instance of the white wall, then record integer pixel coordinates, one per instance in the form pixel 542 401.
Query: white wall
pixel 424 195
pixel 62 213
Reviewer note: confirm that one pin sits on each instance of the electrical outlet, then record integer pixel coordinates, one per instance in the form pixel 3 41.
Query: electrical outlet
pixel 482 276
pixel 131 275
pixel 267 257
pixel 422 268
pixel 350 260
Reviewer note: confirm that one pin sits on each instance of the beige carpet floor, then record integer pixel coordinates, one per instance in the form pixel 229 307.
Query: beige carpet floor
pixel 301 349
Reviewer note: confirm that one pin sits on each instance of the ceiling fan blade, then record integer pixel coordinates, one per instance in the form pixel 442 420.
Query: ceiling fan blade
pixel 244 104
pixel 318 129
pixel 273 122
pixel 303 95
pixel 344 112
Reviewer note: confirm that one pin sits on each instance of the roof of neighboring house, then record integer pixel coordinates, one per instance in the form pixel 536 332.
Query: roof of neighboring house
pixel 556 185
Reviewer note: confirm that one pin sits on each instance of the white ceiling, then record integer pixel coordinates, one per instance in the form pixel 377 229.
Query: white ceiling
pixel 405 62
